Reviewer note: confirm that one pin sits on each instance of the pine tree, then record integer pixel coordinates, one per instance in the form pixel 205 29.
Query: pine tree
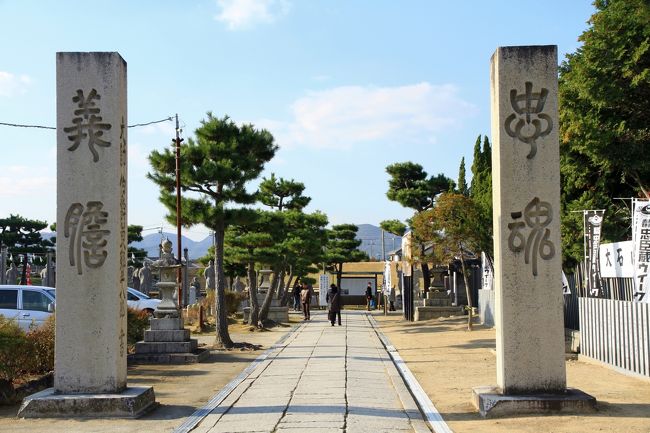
pixel 462 183
pixel 215 168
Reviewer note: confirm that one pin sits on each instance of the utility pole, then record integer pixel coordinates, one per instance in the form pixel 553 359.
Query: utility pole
pixel 383 248
pixel 179 249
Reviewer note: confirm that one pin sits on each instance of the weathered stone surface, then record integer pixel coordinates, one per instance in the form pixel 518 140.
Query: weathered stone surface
pixel 491 403
pixel 90 351
pixel 166 346
pixel 131 403
pixel 199 355
pixel 166 324
pixel 166 335
pixel 526 197
pixel 426 313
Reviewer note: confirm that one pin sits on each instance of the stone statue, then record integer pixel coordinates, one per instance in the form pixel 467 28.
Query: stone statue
pixel 135 279
pixel 12 274
pixel 210 283
pixel 195 287
pixel 238 286
pixel 145 278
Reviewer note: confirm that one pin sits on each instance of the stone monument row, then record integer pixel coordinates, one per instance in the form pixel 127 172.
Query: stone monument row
pixel 91 347
pixel 531 374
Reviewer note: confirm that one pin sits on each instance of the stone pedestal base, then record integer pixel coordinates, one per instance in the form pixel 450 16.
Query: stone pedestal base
pixel 167 343
pixel 426 313
pixel 130 403
pixel 493 404
pixel 277 314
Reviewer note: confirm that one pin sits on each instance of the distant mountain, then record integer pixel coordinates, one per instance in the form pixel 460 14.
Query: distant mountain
pixel 369 234
pixel 195 249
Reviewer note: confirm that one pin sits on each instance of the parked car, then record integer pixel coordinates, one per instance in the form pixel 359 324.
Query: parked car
pixel 140 301
pixel 27 304
pixel 34 304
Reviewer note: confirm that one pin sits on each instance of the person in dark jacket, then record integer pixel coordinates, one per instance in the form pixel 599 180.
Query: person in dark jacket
pixel 296 296
pixel 368 295
pixel 334 304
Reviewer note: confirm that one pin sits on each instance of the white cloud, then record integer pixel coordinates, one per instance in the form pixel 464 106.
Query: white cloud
pixel 244 14
pixel 343 117
pixel 11 84
pixel 21 181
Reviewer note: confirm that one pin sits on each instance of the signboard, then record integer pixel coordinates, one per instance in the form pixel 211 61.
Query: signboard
pixel 324 284
pixel 617 260
pixel 566 290
pixel 641 239
pixel 388 282
pixel 593 221
pixel 488 272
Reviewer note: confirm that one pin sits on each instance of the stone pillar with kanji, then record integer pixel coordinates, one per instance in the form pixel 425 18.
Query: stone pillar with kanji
pixel 527 248
pixel 91 267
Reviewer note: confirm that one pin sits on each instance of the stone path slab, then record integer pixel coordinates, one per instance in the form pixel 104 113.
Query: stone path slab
pixel 321 379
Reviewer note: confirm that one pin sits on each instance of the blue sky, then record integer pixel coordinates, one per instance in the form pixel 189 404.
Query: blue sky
pixel 346 87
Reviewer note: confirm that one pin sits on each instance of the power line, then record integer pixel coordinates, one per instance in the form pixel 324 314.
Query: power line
pixel 18 125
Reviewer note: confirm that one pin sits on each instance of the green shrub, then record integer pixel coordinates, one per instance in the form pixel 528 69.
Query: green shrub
pixel 40 347
pixel 136 323
pixel 233 299
pixel 13 343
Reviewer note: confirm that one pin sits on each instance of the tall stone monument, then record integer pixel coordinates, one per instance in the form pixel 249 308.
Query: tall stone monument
pixel 531 374
pixel 90 350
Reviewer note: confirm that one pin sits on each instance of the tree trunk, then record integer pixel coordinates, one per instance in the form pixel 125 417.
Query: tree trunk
pixel 266 305
pixel 468 292
pixel 253 318
pixel 339 275
pixel 288 289
pixel 426 275
pixel 23 275
pixel 222 338
pixel 281 285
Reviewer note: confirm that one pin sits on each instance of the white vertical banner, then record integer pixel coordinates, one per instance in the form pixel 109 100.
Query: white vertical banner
pixel 324 284
pixel 388 280
pixel 566 290
pixel 488 272
pixel 641 239
pixel 593 221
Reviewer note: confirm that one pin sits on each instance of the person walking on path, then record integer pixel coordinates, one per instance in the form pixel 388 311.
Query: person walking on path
pixel 305 299
pixel 334 304
pixel 368 295
pixel 296 296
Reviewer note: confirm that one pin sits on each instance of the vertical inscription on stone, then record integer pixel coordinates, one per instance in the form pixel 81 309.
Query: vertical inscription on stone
pixel 84 228
pixel 528 123
pixel 537 216
pixel 90 354
pixel 123 234
pixel 88 124
pixel 526 197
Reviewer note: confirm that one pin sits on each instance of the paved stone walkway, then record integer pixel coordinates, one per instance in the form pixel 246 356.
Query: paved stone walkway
pixel 321 379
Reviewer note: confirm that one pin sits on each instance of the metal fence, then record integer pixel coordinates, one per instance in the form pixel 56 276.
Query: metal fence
pixel 619 289
pixel 616 332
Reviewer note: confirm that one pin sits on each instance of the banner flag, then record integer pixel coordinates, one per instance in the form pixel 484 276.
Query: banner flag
pixel 593 221
pixel 641 239
pixel 617 260
pixel 324 285
pixel 488 272
pixel 566 290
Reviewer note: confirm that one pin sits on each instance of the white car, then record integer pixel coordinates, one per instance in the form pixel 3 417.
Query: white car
pixel 26 304
pixel 140 301
pixel 34 304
